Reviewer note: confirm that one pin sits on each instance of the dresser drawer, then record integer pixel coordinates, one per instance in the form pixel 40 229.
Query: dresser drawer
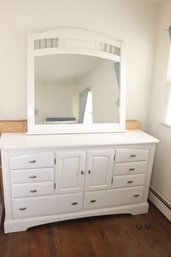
pixel 111 198
pixel 130 155
pixel 128 181
pixel 130 168
pixel 32 189
pixel 30 161
pixel 32 175
pixel 49 205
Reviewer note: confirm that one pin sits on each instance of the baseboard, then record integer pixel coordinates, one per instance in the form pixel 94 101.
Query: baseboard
pixel 160 202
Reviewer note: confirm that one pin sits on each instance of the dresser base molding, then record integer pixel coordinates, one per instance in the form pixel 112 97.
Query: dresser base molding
pixel 160 202
pixel 19 225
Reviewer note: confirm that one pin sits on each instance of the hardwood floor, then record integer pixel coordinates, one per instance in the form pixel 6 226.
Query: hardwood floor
pixel 146 235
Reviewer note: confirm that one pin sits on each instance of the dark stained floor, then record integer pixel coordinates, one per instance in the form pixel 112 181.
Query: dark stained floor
pixel 147 235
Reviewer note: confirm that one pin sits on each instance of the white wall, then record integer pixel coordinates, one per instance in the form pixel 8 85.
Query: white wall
pixel 53 101
pixel 161 178
pixel 105 93
pixel 133 21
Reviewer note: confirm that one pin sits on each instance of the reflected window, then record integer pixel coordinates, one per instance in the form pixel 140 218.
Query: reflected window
pixel 88 116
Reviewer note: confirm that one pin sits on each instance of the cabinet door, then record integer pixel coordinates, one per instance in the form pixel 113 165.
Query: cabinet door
pixel 70 171
pixel 99 169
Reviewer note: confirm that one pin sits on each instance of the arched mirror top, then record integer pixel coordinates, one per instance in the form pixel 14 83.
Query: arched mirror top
pixel 76 82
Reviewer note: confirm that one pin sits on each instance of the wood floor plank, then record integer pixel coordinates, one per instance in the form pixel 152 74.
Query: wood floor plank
pixel 106 236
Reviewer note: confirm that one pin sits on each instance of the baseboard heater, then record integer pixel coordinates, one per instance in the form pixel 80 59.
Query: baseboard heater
pixel 160 202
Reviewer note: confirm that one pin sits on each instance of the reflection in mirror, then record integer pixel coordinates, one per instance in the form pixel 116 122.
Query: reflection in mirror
pixel 75 88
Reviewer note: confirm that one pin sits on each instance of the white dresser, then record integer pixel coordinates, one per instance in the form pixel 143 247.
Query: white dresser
pixel 50 178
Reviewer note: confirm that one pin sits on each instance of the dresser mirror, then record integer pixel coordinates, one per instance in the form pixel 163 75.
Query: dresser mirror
pixel 76 82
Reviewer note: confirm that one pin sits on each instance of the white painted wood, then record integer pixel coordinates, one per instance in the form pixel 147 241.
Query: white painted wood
pixel 74 153
pixel 32 175
pixel 131 155
pixel 22 140
pixel 128 181
pixel 79 50
pixel 23 224
pixel 99 169
pixel 74 41
pixel 32 161
pixel 148 172
pixel 42 206
pixel 122 99
pixel 130 168
pixel 6 184
pixel 32 189
pixel 70 171
pixel 75 128
pixel 101 199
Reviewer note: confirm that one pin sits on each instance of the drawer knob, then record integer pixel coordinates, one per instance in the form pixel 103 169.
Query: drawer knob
pixel 74 203
pixel 130 181
pixel 82 172
pixel 34 176
pixel 89 172
pixel 22 209
pixel 92 201
pixel 131 169
pixel 33 191
pixel 136 195
pixel 32 161
pixel 133 155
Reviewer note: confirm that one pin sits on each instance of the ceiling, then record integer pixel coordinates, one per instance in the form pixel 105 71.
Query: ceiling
pixel 63 69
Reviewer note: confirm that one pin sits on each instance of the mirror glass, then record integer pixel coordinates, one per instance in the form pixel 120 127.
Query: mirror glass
pixel 75 88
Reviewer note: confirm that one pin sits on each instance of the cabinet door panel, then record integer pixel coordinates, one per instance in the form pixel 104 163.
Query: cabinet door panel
pixel 70 171
pixel 99 169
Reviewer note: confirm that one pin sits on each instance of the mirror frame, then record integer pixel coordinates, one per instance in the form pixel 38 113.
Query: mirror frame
pixel 74 41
